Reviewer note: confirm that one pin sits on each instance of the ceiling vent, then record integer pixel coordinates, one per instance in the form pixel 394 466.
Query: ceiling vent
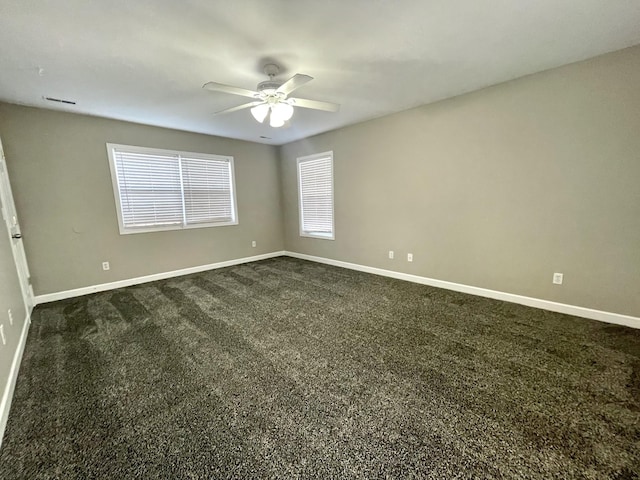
pixel 59 100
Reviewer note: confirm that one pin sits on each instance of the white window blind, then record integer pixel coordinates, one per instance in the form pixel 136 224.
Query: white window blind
pixel 165 190
pixel 315 180
pixel 207 190
pixel 149 189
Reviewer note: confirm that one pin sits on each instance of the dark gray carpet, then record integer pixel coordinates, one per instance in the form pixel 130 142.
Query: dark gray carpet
pixel 290 369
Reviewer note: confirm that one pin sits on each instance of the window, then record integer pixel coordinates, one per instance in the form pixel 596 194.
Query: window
pixel 315 182
pixel 168 190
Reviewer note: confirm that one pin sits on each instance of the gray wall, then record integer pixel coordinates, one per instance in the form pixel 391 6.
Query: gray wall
pixel 498 188
pixel 63 191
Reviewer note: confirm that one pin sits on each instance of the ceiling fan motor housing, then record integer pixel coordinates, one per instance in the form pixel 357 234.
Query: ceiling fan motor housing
pixel 269 86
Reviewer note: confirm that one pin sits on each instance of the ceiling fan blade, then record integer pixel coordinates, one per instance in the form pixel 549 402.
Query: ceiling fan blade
pixel 240 107
pixel 294 82
pixel 314 104
pixel 219 87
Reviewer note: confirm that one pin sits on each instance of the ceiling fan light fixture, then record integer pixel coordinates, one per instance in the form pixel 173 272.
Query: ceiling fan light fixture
pixel 260 112
pixel 283 110
pixel 275 121
pixel 280 113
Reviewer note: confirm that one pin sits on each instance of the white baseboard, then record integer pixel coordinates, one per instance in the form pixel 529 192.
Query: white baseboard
pixel 577 311
pixel 592 314
pixel 7 394
pixel 77 292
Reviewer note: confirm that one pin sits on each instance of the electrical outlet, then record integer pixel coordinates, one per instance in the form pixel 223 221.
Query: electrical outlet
pixel 4 340
pixel 10 317
pixel 409 257
pixel 557 278
pixel 391 254
pixel 253 243
pixel 105 266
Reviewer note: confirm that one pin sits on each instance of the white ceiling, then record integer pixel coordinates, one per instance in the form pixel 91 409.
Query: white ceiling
pixel 146 60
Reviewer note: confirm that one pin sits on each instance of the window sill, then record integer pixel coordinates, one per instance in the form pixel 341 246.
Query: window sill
pixel 321 236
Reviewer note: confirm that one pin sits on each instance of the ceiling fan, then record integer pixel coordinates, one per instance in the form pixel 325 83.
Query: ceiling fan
pixel 271 98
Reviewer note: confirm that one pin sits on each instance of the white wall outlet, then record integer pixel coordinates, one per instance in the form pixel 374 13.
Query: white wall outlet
pixel 253 243
pixel 105 266
pixel 557 278
pixel 10 317
pixel 391 254
pixel 409 257
pixel 4 340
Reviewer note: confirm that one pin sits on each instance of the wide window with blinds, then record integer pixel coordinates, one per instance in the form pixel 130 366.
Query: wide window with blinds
pixel 315 192
pixel 169 190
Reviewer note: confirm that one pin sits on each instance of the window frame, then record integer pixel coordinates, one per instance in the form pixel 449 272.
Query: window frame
pixel 303 233
pixel 124 230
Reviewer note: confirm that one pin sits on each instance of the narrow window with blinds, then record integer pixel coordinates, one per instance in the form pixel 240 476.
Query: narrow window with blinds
pixel 169 190
pixel 315 191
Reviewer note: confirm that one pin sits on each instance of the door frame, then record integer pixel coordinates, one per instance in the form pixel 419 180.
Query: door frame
pixel 10 220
